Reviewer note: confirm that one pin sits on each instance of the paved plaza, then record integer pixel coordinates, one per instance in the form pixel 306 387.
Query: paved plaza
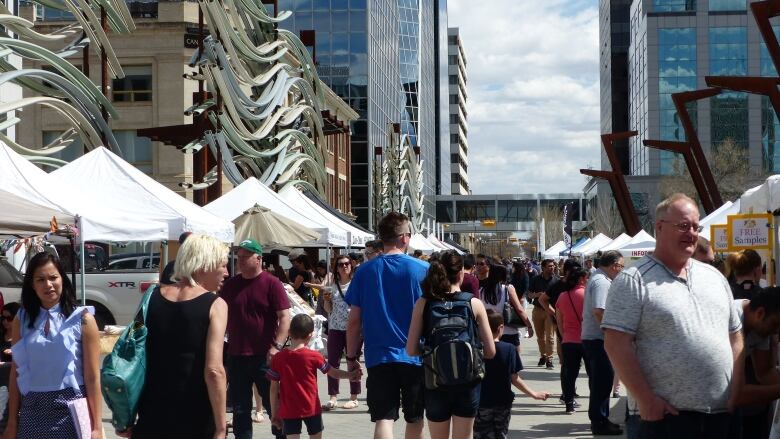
pixel 530 418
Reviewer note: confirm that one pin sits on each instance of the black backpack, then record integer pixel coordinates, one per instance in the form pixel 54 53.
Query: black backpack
pixel 452 351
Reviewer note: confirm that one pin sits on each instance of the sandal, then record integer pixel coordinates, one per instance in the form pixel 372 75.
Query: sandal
pixel 328 406
pixel 257 417
pixel 351 404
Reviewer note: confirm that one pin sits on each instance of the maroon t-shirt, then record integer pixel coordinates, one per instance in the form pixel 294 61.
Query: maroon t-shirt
pixel 252 307
pixel 470 284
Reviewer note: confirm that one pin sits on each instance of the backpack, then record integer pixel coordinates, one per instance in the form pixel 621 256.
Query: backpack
pixel 452 350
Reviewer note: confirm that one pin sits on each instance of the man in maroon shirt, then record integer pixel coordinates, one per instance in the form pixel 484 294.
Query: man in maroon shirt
pixel 470 282
pixel 258 322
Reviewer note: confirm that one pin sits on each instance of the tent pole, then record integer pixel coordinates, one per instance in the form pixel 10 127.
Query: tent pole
pixel 164 258
pixel 82 258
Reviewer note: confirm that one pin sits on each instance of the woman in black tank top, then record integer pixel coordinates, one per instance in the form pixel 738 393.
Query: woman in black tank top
pixel 186 324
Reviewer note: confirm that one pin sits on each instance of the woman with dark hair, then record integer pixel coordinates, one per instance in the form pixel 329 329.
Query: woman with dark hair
pixel 333 294
pixel 8 315
pixel 303 275
pixel 519 279
pixel 746 267
pixel 445 405
pixel 496 294
pixel 56 348
pixel 569 318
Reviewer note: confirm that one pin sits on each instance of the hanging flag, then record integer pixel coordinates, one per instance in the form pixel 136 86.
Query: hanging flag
pixel 566 224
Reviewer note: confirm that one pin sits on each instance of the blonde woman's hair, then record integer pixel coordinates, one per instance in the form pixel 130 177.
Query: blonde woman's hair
pixel 198 253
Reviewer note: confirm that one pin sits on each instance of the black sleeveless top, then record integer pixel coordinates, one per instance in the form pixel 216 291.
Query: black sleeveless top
pixel 175 402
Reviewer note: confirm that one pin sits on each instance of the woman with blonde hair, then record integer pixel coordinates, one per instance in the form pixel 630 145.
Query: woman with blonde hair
pixel 184 395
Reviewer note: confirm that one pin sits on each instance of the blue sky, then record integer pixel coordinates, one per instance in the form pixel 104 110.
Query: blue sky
pixel 533 86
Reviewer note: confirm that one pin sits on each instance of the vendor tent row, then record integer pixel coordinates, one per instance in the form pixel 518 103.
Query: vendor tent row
pixel 632 247
pixel 114 201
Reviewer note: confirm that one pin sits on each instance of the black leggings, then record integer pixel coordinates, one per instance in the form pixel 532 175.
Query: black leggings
pixel 572 357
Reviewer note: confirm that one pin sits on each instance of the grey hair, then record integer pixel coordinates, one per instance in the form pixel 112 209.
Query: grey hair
pixel 609 257
pixel 663 206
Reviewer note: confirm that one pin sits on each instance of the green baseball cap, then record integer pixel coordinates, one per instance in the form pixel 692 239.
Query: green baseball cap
pixel 252 246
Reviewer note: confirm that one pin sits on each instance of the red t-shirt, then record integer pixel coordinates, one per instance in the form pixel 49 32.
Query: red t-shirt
pixel 252 306
pixel 296 371
pixel 572 315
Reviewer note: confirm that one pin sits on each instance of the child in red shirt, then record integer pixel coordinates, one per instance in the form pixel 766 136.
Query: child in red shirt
pixel 293 374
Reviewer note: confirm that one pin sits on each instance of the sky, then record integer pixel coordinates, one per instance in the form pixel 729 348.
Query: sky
pixel 533 93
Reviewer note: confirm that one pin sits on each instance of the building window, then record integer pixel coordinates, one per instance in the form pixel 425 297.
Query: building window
pixel 136 86
pixel 454 138
pixel 70 153
pixel 727 5
pixel 770 137
pixel 767 67
pixel 676 73
pixel 728 51
pixel 474 210
pixel 513 211
pixel 444 212
pixel 135 150
pixel 729 111
pixel 674 5
pixel 453 99
pixel 453 79
pixel 452 39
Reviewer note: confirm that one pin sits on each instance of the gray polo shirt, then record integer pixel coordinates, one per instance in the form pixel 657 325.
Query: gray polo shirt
pixel 681 329
pixel 595 297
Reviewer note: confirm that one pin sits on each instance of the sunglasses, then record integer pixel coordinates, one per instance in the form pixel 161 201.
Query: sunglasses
pixel 344 264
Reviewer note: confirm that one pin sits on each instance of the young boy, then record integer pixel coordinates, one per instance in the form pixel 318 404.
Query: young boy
pixel 294 370
pixel 495 401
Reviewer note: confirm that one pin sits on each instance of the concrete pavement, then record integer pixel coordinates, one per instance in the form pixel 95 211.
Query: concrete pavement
pixel 530 418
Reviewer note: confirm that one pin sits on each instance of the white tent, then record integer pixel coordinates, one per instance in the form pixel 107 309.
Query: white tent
pixel 592 246
pixel 20 217
pixel 418 242
pixel 719 216
pixel 251 192
pixel 616 243
pixel 440 247
pixel 296 198
pixel 763 198
pixel 444 245
pixel 554 251
pixel 19 177
pixel 641 244
pixel 121 203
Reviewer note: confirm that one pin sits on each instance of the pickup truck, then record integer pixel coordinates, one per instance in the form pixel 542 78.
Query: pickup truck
pixel 114 294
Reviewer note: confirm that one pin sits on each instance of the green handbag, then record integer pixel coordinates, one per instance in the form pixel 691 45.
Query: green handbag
pixel 124 370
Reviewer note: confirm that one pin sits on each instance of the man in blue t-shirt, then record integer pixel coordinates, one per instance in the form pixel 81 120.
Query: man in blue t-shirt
pixel 385 289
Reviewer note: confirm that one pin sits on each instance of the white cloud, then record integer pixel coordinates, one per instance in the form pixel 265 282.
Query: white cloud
pixel 533 84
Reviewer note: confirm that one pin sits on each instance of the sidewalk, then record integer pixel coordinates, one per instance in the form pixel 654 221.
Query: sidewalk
pixel 530 418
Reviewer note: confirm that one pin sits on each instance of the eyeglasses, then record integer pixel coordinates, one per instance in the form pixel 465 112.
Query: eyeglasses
pixel 684 227
pixel 407 234
pixel 619 266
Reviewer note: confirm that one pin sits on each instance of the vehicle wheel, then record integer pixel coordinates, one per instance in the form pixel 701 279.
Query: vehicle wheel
pixel 103 316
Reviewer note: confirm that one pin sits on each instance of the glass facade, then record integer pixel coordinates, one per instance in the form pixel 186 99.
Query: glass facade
pixel 676 72
pixel 674 5
pixel 727 5
pixel 476 210
pixel 513 211
pixel 729 111
pixel 637 92
pixel 770 125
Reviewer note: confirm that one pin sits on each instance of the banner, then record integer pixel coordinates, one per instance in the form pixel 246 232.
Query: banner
pixel 566 224
pixel 719 238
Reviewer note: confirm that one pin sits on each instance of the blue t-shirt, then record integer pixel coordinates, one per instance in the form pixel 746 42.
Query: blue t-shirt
pixel 497 384
pixel 386 289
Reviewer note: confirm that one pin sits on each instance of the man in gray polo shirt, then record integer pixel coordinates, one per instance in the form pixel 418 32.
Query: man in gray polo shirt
pixel 600 374
pixel 673 334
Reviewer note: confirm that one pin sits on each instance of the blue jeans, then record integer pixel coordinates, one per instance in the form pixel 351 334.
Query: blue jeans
pixel 599 380
pixel 243 373
pixel 687 425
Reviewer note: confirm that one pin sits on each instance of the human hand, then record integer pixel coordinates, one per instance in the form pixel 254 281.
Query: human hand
pixel 353 365
pixel 277 422
pixel 124 433
pixel 271 352
pixel 541 396
pixel 655 408
pixel 97 434
pixel 220 433
pixel 356 374
pixel 530 329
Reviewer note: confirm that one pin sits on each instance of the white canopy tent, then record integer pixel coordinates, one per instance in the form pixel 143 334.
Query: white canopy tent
pixel 358 238
pixel 436 243
pixel 251 192
pixel 418 242
pixel 19 177
pixel 616 243
pixel 553 251
pixel 121 203
pixel 763 198
pixel 641 244
pixel 719 216
pixel 20 217
pixel 592 246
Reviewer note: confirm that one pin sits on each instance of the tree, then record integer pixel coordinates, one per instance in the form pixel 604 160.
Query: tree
pixel 730 168
pixel 553 217
pixel 606 218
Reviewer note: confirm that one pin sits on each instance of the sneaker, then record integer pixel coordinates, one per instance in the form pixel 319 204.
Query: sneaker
pixel 576 404
pixel 606 429
pixel 549 363
pixel 570 409
pixel 616 394
pixel 542 362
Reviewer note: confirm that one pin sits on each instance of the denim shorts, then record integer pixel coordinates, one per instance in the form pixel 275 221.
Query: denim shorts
pixel 443 403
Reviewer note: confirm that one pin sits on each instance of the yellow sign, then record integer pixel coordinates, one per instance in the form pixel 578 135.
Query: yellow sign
pixel 752 230
pixel 488 222
pixel 719 237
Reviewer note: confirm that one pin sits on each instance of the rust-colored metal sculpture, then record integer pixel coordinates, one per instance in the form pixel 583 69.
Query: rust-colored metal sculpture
pixel 617 181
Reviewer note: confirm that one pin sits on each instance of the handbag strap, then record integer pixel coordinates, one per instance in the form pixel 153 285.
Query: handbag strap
pixel 568 294
pixel 143 307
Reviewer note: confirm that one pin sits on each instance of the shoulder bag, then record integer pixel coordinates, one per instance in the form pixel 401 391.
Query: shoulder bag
pixel 511 317
pixel 123 374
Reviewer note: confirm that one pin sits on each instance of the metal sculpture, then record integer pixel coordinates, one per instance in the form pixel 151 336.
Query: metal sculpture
pixel 262 117
pixel 398 178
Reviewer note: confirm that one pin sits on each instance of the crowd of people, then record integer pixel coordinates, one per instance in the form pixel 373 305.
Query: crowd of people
pixel 693 341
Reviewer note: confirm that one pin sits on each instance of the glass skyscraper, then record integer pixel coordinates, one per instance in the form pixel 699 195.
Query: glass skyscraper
pixel 379 57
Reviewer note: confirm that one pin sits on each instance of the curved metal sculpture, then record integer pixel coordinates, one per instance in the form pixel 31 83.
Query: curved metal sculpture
pixel 65 89
pixel 266 113
pixel 400 183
